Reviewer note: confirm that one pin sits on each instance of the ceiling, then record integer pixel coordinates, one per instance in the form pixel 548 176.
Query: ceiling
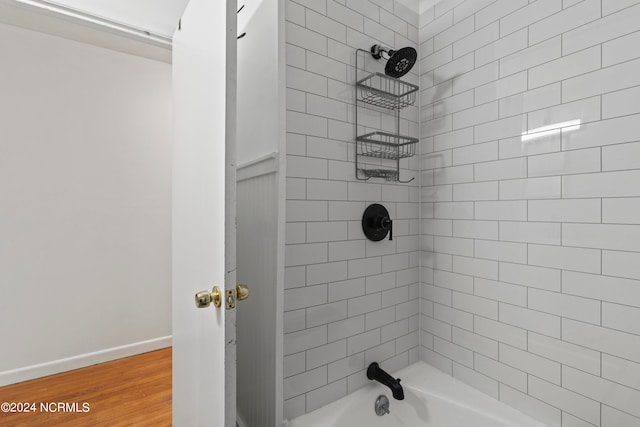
pixel 158 17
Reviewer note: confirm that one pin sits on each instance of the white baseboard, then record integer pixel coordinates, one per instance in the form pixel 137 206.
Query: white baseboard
pixel 82 360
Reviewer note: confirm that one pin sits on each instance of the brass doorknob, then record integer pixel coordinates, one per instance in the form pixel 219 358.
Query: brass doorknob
pixel 205 298
pixel 242 292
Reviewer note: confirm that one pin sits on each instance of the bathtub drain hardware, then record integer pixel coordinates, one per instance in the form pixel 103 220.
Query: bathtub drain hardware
pixel 382 405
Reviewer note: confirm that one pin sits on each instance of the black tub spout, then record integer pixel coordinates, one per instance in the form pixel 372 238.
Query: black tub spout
pixel 375 372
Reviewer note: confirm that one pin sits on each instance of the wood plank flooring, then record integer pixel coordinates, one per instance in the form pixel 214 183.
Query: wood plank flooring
pixel 134 391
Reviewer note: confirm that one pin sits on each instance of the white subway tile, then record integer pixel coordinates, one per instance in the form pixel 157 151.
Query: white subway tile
pixel 475 191
pixel 607 340
pixel 380 282
pixel 564 352
pixel 294 364
pixel 304 297
pixel 379 353
pixel 306 167
pixel 344 367
pixel 620 49
pixel 476 380
pixel 431 62
pixel 606 184
pixel 476 343
pixel 326 107
pixel 306 39
pixel 295 232
pixel 294 277
pixel 611 417
pixel 501 251
pixel 476 229
pixel 526 275
pixel 307 381
pixel 306 124
pixel 622 210
pixel 453 210
pixel 501 169
pixel 585 110
pixel 453 104
pixel 613 289
pixel 566 400
pixel 453 175
pixel 324 273
pixel 476 305
pixel 436 327
pixel 502 47
pixel 621 317
pixel 500 129
pixel 497 10
pixel 294 320
pixel 602 390
pixel 325 231
pixel 580 14
pixel 530 188
pixel 454 246
pixel 605 132
pixel 296 145
pixel 344 210
pixel 601 30
pixel 481 75
pixel 378 32
pixel 475 153
pixel 603 236
pixel 453 69
pixel 621 371
pixel 476 115
pixel 498 89
pixel 364 341
pixel 549 415
pixel 364 304
pixel 345 328
pixel 535 99
pixel 476 267
pixel 622 102
pixel 531 320
pixel 303 340
pixel 466 9
pixel 501 372
pixel 531 56
pixel 345 289
pixel 577 259
pixel 345 16
pixel 440 362
pixel 572 307
pixel 326 394
pixel 563 68
pixel 527 15
pixel 516 147
pixel 535 365
pixel 364 191
pixel 622 156
pixel 302 254
pixel 325 26
pixel 453 281
pixel 500 291
pixel 564 163
pixel 453 352
pixel 475 40
pixel 501 332
pixel 608 79
pixel 578 210
pixel 326 354
pixel 294 13
pixel 439 227
pixel 530 232
pixel 501 210
pixel 347 250
pixel 453 33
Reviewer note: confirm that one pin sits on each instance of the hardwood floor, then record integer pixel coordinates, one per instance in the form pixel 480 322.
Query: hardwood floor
pixel 134 391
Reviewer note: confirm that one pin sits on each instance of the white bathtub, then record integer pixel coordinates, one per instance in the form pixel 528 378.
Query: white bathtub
pixel 431 399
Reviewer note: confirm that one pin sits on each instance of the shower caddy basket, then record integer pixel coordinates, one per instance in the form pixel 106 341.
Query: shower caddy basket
pixel 388 93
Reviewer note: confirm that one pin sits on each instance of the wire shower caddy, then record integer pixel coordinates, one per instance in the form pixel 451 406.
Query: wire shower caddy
pixel 392 94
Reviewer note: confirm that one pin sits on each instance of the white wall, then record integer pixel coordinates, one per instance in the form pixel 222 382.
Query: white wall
pixel 258 81
pixel 348 301
pixel 531 256
pixel 85 179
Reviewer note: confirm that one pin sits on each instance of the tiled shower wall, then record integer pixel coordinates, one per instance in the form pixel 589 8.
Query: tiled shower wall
pixel 348 301
pixel 531 234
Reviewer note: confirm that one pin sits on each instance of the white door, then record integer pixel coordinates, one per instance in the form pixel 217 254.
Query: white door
pixel 204 61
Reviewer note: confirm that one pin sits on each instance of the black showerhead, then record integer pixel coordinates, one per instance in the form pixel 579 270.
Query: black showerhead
pixel 400 61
